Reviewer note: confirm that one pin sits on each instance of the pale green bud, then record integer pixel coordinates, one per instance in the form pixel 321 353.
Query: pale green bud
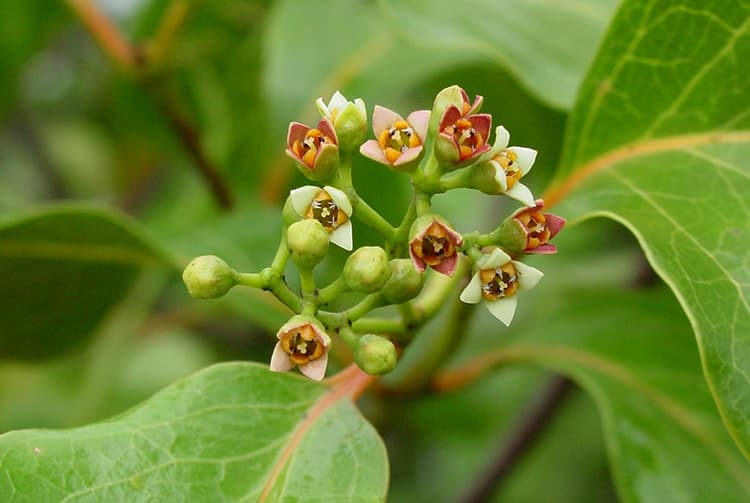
pixel 375 355
pixel 405 282
pixel 208 277
pixel 367 269
pixel 308 242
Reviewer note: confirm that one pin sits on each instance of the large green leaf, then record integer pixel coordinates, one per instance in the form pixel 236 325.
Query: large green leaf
pixel 62 270
pixel 633 353
pixel 659 140
pixel 547 45
pixel 232 432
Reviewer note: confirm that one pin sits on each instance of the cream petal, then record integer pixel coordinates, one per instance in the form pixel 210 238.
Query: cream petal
pixel 315 369
pixel 502 137
pixel 322 108
pixel 343 236
pixel 526 158
pixel 371 149
pixel 419 120
pixel 472 294
pixel 338 101
pixel 383 118
pixel 360 104
pixel 494 260
pixel 340 199
pixel 280 361
pixel 503 309
pixel 408 156
pixel 528 276
pixel 302 197
pixel 500 177
pixel 521 192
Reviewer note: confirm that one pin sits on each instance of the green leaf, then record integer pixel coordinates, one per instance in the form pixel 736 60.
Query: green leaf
pixel 633 353
pixel 659 140
pixel 232 432
pixel 546 45
pixel 62 270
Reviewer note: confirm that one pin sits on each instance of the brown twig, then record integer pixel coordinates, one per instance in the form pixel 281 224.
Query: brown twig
pixel 128 56
pixel 524 434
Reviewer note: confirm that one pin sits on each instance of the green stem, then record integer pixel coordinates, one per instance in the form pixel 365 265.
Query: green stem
pixel 369 216
pixel 331 291
pixel 345 171
pixel 337 320
pixel 422 202
pixel 274 282
pixel 307 282
pixel 282 254
pixel 251 279
pixel 349 336
pixel 399 246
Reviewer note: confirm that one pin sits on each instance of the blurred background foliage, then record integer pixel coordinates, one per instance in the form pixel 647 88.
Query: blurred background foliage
pixel 94 152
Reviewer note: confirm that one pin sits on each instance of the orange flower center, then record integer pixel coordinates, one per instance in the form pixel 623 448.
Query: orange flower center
pixel 397 139
pixel 307 149
pixel 536 224
pixel 500 282
pixel 507 160
pixel 324 210
pixel 302 344
pixel 466 136
pixel 435 246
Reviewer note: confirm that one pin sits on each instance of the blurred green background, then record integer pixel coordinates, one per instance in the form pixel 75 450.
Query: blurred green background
pixel 212 86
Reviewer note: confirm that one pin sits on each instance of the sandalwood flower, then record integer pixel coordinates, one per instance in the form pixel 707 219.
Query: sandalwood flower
pixel 497 281
pixel 330 207
pixel 399 142
pixel 349 119
pixel 315 151
pixel 529 230
pixel 510 164
pixel 303 343
pixel 434 243
pixel 462 137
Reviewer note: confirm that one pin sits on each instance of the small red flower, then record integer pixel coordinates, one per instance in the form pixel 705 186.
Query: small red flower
pixel 315 151
pixel 434 243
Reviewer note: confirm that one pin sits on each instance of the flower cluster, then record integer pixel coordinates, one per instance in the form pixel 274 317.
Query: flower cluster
pixel 441 149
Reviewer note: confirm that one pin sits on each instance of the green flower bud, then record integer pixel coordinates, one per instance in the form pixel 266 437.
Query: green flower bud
pixel 307 241
pixel 208 277
pixel 367 269
pixel 405 282
pixel 375 355
pixel 349 119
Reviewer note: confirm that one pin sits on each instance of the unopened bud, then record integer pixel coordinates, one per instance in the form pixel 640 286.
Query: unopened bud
pixel 308 242
pixel 375 355
pixel 208 277
pixel 367 269
pixel 405 282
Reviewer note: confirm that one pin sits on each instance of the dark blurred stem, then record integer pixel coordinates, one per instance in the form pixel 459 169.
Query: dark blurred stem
pixel 524 434
pixel 27 136
pixel 132 60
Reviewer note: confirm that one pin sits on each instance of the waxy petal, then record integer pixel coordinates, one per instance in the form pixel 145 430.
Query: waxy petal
pixel 521 192
pixel 503 309
pixel 315 369
pixel 339 199
pixel 383 118
pixel 338 101
pixel 280 361
pixel 472 294
pixel 419 120
pixel 419 264
pixel 494 260
pixel 500 177
pixel 545 249
pixel 302 198
pixel 554 223
pixel 502 137
pixel 371 149
pixel 482 123
pixel 326 127
pixel 297 131
pixel 526 158
pixel 342 236
pixel 451 115
pixel 528 276
pixel 408 156
pixel 447 265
